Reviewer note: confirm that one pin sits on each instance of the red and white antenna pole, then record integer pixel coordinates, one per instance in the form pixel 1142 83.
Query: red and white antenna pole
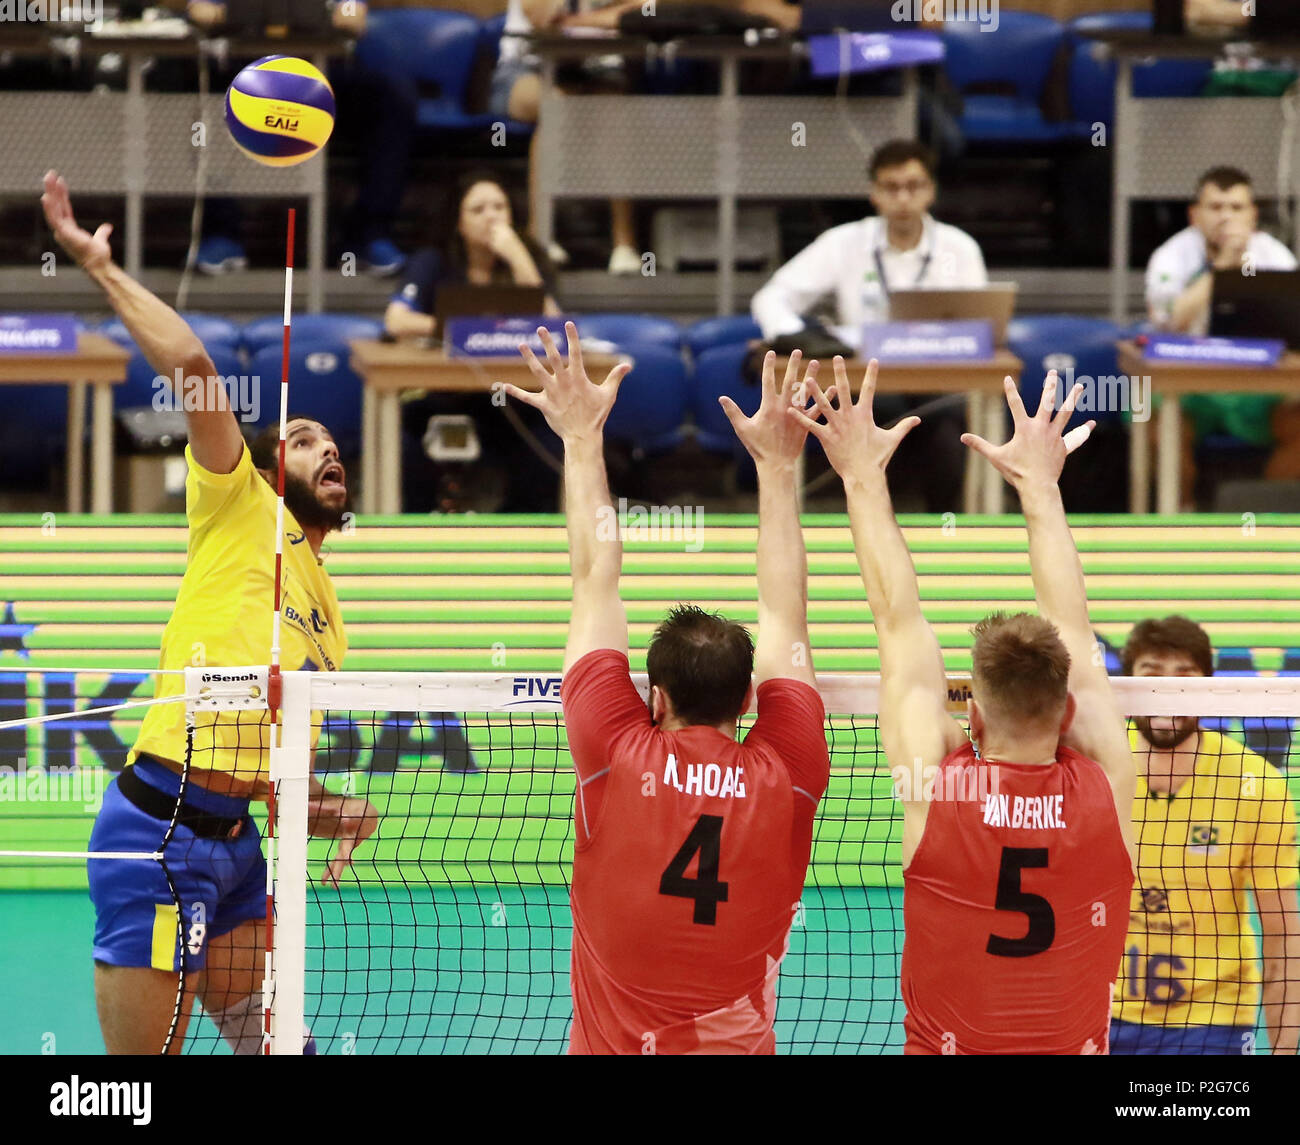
pixel 274 682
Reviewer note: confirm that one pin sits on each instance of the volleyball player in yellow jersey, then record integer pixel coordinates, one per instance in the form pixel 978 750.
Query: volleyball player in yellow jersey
pixel 201 911
pixel 1212 818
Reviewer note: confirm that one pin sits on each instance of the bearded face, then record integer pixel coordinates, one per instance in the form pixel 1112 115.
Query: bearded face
pixel 1167 732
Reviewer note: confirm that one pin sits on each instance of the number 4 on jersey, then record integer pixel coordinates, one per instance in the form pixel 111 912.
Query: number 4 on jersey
pixel 705 889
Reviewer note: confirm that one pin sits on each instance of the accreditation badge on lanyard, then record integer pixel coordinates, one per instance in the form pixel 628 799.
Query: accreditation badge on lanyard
pixel 920 274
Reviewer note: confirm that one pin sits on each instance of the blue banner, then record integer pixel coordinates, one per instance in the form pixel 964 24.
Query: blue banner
pixel 1261 352
pixel 928 341
pixel 853 52
pixel 500 337
pixel 38 333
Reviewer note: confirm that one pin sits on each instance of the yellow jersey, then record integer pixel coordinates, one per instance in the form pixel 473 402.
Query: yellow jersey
pixel 223 612
pixel 1191 957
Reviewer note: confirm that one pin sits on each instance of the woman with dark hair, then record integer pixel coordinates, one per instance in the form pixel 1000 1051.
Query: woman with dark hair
pixel 484 249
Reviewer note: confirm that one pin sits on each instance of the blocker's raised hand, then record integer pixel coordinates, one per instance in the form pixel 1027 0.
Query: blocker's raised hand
pixel 770 435
pixel 1038 446
pixel 89 250
pixel 855 445
pixel 574 406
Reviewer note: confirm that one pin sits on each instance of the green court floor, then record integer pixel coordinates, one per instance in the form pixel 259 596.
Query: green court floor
pixel 459 970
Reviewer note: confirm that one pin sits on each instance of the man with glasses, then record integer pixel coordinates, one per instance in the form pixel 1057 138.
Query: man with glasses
pixel 901 247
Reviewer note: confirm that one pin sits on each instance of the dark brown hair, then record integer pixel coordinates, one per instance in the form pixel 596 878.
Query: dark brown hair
pixel 899 151
pixel 704 662
pixel 1225 178
pixel 1172 634
pixel 1020 667
pixel 265 447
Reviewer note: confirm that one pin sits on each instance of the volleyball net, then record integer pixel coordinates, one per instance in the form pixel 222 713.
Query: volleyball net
pixel 450 931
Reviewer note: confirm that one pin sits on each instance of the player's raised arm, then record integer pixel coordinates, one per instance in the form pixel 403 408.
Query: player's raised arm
pixel 576 409
pixel 774 442
pixel 163 336
pixel 1032 462
pixel 915 726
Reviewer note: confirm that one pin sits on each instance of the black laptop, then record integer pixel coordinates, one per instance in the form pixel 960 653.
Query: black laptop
pixel 1261 305
pixel 456 300
pixel 852 16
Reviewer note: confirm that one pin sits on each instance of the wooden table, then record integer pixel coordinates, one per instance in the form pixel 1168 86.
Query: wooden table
pixel 984 490
pixel 389 368
pixel 100 363
pixel 1173 380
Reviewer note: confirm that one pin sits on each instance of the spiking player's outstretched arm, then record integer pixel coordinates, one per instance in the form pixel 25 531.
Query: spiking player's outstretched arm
pixel 1032 462
pixel 914 723
pixel 775 442
pixel 164 336
pixel 576 409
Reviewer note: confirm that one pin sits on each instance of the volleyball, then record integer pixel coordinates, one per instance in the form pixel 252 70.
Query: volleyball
pixel 280 110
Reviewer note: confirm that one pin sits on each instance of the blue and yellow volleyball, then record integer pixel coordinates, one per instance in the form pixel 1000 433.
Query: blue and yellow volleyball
pixel 280 110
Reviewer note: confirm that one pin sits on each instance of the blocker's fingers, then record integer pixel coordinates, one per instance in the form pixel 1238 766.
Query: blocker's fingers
pixel 820 400
pixel 734 413
pixel 867 394
pixel 528 397
pixel 768 376
pixel 534 366
pixel 552 351
pixel 841 385
pixel 791 370
pixel 615 377
pixel 1014 403
pixel 1067 407
pixel 1048 400
pixel 979 445
pixel 575 348
pixel 810 424
pixel 1078 435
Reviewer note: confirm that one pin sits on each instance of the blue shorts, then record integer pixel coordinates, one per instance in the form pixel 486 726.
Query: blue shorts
pixel 1141 1038
pixel 503 83
pixel 220 883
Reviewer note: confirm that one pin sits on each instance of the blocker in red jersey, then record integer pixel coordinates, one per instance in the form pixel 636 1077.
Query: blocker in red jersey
pixel 691 848
pixel 1015 901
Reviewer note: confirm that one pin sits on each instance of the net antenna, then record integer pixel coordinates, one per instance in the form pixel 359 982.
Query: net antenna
pixel 274 683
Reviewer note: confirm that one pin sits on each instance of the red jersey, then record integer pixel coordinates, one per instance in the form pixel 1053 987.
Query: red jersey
pixel 1015 909
pixel 691 855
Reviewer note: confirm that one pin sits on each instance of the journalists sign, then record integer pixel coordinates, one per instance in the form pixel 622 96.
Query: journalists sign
pixel 1260 352
pixel 928 341
pixel 42 333
pixel 500 337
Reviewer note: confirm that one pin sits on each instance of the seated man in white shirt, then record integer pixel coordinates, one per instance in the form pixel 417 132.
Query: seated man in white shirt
pixel 1224 235
pixel 900 247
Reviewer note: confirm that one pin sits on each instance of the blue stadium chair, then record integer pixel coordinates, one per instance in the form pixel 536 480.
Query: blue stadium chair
pixel 321 385
pixel 1057 341
pixel 1269 736
pixel 342 328
pixel 1092 70
pixel 652 401
pixel 33 434
pixel 713 332
pixel 139 388
pixel 210 329
pixel 631 330
pixel 1290 662
pixel 1017 56
pixel 718 373
pixel 436 49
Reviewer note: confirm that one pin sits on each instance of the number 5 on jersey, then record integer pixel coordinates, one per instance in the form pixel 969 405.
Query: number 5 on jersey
pixel 705 889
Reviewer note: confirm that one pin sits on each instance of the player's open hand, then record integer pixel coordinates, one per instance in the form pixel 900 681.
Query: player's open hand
pixel 349 819
pixel 1038 446
pixel 573 405
pixel 771 436
pixel 89 250
pixel 855 445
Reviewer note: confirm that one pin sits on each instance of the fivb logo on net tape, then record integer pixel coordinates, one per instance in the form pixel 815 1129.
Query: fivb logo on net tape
pixel 86 12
